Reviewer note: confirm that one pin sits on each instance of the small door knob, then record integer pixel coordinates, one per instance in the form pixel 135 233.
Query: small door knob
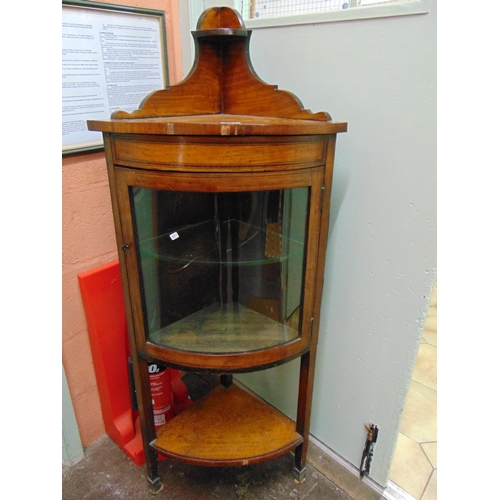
pixel 125 246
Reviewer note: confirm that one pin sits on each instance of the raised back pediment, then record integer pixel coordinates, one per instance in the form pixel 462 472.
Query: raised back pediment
pixel 222 79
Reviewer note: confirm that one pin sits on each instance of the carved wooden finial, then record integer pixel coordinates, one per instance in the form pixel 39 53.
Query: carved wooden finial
pixel 222 79
pixel 220 18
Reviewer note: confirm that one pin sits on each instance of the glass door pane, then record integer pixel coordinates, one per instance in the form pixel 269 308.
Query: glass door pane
pixel 221 272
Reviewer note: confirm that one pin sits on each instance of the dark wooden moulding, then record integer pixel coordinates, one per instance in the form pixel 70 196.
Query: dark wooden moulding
pixel 222 129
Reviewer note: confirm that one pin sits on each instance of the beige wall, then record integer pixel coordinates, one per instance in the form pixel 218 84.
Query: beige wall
pixel 89 241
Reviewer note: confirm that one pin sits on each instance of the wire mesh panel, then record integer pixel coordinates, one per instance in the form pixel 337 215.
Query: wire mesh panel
pixel 255 9
pixel 259 9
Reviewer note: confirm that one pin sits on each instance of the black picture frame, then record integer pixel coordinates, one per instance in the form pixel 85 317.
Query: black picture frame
pixel 75 112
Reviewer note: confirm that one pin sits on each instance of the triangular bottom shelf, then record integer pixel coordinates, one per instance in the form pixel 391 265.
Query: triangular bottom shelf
pixel 227 427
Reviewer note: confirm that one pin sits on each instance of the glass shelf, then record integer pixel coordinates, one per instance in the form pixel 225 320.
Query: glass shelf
pixel 199 243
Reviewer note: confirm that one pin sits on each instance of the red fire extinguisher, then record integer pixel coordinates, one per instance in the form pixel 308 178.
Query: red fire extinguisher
pixel 161 393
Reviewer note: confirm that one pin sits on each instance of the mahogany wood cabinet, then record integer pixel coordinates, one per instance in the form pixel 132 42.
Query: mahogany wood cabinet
pixel 220 189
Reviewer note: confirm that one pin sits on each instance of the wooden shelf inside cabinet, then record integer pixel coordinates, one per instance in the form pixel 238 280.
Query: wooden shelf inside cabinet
pixel 227 427
pixel 231 328
pixel 220 187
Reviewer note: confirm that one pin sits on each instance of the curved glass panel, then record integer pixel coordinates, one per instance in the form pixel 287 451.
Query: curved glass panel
pixel 221 272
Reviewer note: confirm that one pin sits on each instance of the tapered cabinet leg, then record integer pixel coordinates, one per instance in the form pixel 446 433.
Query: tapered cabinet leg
pixel 155 484
pixel 147 424
pixel 304 411
pixel 299 469
pixel 154 481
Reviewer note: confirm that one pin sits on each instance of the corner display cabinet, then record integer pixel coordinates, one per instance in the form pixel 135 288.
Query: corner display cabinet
pixel 220 189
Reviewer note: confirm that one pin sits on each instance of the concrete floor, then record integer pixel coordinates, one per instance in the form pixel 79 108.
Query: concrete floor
pixel 106 473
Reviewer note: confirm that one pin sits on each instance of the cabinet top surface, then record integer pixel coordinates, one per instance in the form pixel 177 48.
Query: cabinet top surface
pixel 217 125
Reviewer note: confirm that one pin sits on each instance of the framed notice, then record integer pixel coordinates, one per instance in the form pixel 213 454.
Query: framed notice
pixel 113 56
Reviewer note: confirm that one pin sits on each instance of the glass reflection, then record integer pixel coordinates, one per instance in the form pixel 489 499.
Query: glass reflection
pixel 221 272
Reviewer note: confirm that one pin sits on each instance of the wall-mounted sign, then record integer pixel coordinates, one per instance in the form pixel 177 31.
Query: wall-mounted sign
pixel 113 56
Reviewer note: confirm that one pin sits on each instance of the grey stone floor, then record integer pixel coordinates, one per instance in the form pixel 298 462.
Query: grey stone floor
pixel 106 473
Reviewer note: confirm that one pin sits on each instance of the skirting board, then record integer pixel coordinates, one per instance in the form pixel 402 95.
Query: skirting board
pixel 342 473
pixel 346 476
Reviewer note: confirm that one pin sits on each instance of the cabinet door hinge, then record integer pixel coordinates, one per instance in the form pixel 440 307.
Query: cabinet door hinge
pixel 322 198
pixel 311 328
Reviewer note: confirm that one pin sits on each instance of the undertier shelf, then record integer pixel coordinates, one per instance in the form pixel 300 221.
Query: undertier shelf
pixel 227 427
